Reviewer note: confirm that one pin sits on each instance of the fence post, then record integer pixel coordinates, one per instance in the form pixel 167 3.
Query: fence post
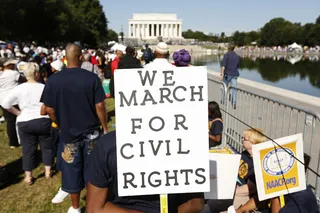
pixel 225 106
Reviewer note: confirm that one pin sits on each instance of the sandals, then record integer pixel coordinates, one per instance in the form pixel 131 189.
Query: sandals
pixel 29 181
pixel 48 175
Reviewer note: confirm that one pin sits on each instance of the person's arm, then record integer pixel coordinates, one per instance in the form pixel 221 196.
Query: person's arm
pixel 50 111
pixel 216 130
pixel 10 100
pixel 222 71
pixel 249 206
pixel 247 189
pixel 48 102
pixel 100 96
pixel 275 205
pixel 215 138
pixel 102 115
pixel 192 206
pixel 96 202
pixel 223 66
pixel 14 111
pixel 43 110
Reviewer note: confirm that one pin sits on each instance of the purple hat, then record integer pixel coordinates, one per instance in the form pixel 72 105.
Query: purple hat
pixel 181 58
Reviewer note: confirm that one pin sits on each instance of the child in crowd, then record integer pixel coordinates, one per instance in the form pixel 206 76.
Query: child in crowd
pixel 246 193
pixel 245 196
pixel 215 124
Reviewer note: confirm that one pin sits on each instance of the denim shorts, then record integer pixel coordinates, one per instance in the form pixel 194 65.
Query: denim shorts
pixel 73 162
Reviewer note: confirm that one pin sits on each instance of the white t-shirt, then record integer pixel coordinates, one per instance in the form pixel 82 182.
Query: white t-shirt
pixel 159 63
pixel 26 49
pixel 27 96
pixel 9 53
pixel 8 81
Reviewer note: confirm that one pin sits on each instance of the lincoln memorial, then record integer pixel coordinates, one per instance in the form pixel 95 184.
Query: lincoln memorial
pixel 153 26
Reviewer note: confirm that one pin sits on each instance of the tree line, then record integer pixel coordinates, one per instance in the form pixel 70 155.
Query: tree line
pixel 54 21
pixel 277 31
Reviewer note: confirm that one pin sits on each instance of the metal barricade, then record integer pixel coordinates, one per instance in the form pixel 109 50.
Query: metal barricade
pixel 276 119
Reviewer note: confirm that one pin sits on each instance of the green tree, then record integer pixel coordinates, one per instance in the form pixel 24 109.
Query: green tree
pixel 112 35
pixel 188 34
pixel 282 32
pixel 52 21
pixel 272 33
pixel 277 31
pixel 89 23
pixel 239 38
pixel 252 36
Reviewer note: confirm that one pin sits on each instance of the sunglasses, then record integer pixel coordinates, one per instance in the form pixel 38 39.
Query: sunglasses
pixel 244 139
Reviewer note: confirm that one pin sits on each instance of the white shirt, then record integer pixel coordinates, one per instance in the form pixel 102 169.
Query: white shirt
pixel 8 81
pixel 9 53
pixel 2 52
pixel 159 63
pixel 27 96
pixel 26 49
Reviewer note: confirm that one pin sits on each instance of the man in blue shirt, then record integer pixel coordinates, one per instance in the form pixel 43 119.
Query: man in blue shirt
pixel 230 71
pixel 74 100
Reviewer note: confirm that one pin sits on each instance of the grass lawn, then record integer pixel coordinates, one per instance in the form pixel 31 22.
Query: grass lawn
pixel 17 197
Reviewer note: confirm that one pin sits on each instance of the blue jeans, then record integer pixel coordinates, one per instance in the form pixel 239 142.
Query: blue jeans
pixel 231 81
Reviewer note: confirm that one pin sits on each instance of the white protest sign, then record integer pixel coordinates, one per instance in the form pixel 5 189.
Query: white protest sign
pixel 162 131
pixel 277 172
pixel 223 175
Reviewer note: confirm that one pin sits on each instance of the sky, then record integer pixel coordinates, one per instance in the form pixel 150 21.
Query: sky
pixel 214 16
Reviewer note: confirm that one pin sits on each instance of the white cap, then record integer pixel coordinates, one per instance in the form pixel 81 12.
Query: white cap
pixel 10 61
pixel 122 48
pixel 162 48
pixel 57 65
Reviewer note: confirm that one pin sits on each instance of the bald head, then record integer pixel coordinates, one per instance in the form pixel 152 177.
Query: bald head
pixel 73 55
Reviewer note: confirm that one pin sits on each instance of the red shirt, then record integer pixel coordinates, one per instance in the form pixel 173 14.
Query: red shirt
pixel 114 64
pixel 94 60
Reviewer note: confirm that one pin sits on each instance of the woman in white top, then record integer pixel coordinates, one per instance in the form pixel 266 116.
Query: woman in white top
pixel 9 79
pixel 33 128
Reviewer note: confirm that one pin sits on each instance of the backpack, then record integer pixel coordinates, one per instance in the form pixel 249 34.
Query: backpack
pixel 148 55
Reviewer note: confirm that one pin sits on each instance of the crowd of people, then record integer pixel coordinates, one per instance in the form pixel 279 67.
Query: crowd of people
pixel 279 50
pixel 57 101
